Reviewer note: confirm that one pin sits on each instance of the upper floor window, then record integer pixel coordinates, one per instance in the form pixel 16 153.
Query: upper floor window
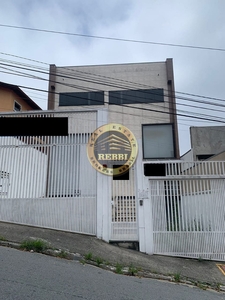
pixel 17 106
pixel 136 96
pixel 158 141
pixel 81 98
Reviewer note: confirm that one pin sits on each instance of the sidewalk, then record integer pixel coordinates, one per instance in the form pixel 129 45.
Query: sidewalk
pixel 197 272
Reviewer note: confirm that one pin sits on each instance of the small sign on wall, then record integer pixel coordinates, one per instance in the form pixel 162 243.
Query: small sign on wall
pixel 143 194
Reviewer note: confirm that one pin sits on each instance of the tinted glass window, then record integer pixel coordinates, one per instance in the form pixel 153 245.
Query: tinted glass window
pixel 136 96
pixel 83 98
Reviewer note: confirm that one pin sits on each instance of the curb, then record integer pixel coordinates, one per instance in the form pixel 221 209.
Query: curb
pixel 64 254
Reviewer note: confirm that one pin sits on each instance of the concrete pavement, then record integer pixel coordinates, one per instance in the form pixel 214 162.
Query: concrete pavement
pixel 191 271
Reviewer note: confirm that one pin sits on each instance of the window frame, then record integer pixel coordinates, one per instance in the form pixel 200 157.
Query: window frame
pixel 173 141
pixel 17 103
pixel 88 99
pixel 123 98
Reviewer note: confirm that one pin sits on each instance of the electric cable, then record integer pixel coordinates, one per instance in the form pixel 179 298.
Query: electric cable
pixel 123 87
pixel 110 80
pixel 113 38
pixel 152 104
pixel 215 120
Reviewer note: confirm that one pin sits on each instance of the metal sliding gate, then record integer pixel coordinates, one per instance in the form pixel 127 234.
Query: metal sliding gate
pixel 188 208
pixel 47 181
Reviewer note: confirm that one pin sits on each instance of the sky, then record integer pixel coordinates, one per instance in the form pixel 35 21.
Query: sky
pixel 199 73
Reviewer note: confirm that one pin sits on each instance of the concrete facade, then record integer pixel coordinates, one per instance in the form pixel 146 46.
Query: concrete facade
pixel 120 77
pixel 218 157
pixel 206 142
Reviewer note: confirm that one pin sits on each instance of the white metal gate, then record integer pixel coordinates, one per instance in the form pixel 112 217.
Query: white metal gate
pixel 48 181
pixel 124 226
pixel 189 212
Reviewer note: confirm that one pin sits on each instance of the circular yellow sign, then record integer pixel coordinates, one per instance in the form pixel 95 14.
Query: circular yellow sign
pixel 112 149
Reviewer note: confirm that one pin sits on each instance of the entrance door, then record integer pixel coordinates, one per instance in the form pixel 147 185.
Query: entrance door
pixel 124 209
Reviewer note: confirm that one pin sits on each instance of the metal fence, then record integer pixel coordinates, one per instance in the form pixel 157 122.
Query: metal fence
pixel 188 210
pixel 48 181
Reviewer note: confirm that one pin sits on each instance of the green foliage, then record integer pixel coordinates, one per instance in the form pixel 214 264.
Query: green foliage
pixel 218 285
pixel 201 286
pixel 82 261
pixel 62 254
pixel 35 245
pixel 132 270
pixel 88 256
pixel 119 269
pixel 177 277
pixel 2 238
pixel 99 261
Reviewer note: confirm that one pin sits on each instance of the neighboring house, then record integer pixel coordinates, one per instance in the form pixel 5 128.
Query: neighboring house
pixel 12 98
pixel 139 96
pixel 206 143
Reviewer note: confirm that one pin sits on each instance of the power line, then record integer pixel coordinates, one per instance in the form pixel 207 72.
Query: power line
pixel 124 81
pixel 155 118
pixel 21 57
pixel 146 109
pixel 102 76
pixel 191 116
pixel 110 82
pixel 81 87
pixel 199 119
pixel 113 38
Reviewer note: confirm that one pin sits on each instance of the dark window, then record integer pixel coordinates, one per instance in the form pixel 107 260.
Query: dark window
pixel 154 170
pixel 204 156
pixel 136 96
pixel 83 98
pixel 17 106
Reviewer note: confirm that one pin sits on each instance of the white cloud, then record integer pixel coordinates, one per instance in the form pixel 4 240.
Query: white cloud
pixel 187 22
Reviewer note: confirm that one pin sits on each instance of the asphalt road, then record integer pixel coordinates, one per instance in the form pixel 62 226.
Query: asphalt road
pixel 25 275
